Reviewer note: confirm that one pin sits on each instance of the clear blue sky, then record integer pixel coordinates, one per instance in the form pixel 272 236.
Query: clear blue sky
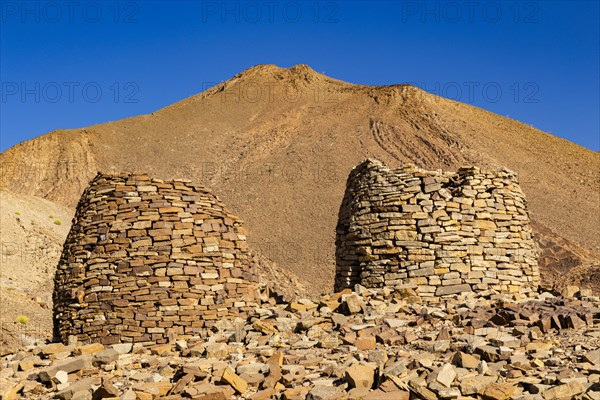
pixel 72 64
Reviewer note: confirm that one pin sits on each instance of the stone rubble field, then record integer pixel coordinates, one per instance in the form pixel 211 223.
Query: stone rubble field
pixel 361 344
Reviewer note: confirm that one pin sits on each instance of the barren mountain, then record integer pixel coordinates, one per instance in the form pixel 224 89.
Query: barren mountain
pixel 277 144
pixel 32 234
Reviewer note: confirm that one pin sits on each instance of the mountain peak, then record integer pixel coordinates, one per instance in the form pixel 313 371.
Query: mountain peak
pixel 296 73
pixel 302 69
pixel 260 69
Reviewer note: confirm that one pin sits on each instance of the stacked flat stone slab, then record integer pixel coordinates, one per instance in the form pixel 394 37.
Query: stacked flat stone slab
pixel 148 260
pixel 440 233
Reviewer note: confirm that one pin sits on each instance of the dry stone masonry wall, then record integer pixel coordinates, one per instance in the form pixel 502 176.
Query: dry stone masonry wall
pixel 147 260
pixel 439 233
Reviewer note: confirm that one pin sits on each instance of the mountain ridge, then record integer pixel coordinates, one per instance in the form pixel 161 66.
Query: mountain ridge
pixel 276 144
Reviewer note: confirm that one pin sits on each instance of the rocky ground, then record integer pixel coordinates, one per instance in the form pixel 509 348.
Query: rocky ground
pixel 350 345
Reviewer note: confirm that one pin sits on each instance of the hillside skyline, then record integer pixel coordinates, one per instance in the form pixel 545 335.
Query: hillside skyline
pixel 535 62
pixel 451 91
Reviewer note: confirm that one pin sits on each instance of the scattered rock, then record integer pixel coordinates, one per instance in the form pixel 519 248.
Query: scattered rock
pixel 81 389
pixel 105 357
pixel 499 391
pixel 360 376
pixel 445 375
pixel 237 383
pixel 566 391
